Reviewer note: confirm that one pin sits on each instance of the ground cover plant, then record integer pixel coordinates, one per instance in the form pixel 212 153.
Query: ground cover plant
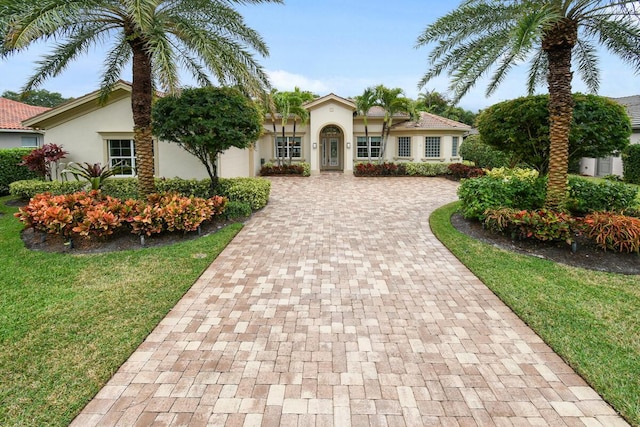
pixel 67 325
pixel 589 318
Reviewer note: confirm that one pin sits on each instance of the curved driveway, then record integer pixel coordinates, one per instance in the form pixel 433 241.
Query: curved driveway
pixel 336 305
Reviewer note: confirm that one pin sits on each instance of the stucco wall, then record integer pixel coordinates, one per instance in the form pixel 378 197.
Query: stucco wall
pixel 14 139
pixel 331 113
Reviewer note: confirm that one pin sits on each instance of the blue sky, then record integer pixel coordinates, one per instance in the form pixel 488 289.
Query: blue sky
pixel 339 46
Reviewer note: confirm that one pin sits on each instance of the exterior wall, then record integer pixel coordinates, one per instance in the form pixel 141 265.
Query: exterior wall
pixel 13 139
pixel 331 113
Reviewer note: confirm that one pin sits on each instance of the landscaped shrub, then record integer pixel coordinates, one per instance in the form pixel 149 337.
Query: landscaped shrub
pixel 123 188
pixel 631 164
pixel 186 187
pixel 10 168
pixel 94 214
pixel 269 169
pixel 477 195
pixel 426 169
pixel 459 171
pixel 519 173
pixel 29 188
pixel 542 224
pixel 379 169
pixel 253 191
pixel 482 155
pixel 237 210
pixel 611 231
pixel 587 195
pixel 43 161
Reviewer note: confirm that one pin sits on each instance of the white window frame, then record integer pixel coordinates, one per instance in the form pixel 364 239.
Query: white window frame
pixel 404 151
pixel 430 147
pixel 129 160
pixel 371 145
pixel 455 146
pixel 285 149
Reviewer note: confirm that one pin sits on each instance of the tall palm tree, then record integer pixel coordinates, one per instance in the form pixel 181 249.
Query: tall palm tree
pixel 392 101
pixel 364 103
pixel 482 35
pixel 282 102
pixel 298 99
pixel 155 36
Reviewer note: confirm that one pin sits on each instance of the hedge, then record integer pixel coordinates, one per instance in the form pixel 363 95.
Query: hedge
pixel 10 170
pixel 631 164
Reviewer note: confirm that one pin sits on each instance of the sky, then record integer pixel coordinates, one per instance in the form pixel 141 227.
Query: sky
pixel 339 46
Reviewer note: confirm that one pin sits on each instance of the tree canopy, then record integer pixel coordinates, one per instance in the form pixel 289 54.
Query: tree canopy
pixel 520 128
pixel 206 122
pixel 437 103
pixel 489 37
pixel 41 97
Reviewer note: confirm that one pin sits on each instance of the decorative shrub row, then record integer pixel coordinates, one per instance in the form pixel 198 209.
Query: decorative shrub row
pixel 269 169
pixel 522 190
pixel 482 155
pixel 402 169
pixel 10 168
pixel 253 191
pixel 459 171
pixel 95 214
pixel 605 229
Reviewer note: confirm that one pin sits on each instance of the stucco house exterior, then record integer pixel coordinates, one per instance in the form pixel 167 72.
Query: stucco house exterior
pixel 612 165
pixel 13 133
pixel 333 139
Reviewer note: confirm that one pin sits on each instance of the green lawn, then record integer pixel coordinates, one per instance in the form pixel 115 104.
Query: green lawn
pixel 68 322
pixel 591 319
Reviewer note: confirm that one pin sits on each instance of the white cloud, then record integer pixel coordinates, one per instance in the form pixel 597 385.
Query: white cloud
pixel 286 81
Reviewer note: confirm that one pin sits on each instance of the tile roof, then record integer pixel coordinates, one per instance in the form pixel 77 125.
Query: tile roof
pixel 632 103
pixel 12 113
pixel 431 121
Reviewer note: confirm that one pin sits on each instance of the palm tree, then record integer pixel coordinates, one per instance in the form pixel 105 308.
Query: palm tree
pixel 551 34
pixel 282 102
pixel 364 103
pixel 298 99
pixel 155 36
pixel 393 103
pixel 268 104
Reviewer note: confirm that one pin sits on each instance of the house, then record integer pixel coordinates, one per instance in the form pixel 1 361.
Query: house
pixel 612 165
pixel 12 132
pixel 333 139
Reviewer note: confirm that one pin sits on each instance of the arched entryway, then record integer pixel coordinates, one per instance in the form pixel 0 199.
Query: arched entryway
pixel 331 148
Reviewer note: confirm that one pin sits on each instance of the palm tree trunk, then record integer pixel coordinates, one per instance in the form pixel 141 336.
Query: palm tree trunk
pixel 366 138
pixel 293 141
pixel 141 100
pixel 558 42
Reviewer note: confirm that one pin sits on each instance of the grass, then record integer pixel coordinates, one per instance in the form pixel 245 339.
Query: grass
pixel 591 319
pixel 68 322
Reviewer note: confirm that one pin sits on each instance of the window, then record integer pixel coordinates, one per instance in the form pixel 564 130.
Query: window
pixel 368 148
pixel 404 146
pixel 122 153
pixel 288 147
pixel 29 141
pixel 432 146
pixel 454 147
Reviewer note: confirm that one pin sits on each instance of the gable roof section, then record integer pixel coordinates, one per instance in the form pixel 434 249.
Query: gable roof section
pixel 77 107
pixel 632 104
pixel 433 122
pixel 331 97
pixel 12 113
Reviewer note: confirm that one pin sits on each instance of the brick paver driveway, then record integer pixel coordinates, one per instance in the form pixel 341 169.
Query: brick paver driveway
pixel 336 305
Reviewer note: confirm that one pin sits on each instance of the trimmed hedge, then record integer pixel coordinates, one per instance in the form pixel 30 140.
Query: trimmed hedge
pixel 426 169
pixel 302 168
pixel 10 169
pixel 481 154
pixel 631 164
pixel 401 169
pixel 253 191
pixel 29 188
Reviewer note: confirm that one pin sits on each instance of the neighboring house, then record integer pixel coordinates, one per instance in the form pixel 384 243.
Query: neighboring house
pixel 332 139
pixel 613 164
pixel 12 132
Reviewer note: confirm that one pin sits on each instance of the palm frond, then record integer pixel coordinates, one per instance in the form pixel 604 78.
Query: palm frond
pixel 621 37
pixel 586 58
pixel 538 67
pixel 114 63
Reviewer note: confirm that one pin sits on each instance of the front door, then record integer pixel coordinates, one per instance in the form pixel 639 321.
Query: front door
pixel 331 149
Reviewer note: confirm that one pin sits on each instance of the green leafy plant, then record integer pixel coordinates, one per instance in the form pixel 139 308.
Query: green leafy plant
pixel 459 171
pixel 631 164
pixel 426 169
pixel 237 210
pixel 42 160
pixel 10 168
pixel 253 191
pixel 94 173
pixel 482 155
pixel 269 169
pixel 612 231
pixel 587 195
